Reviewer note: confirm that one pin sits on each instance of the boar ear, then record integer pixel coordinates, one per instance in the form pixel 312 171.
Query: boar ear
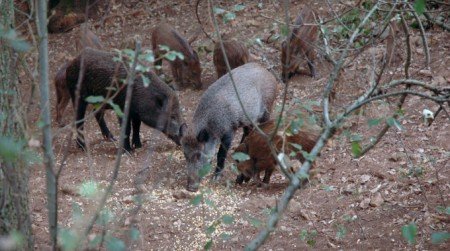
pixel 183 129
pixel 202 136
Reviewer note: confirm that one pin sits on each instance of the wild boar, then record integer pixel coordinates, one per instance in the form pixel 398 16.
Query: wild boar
pixel 219 114
pixel 88 39
pixel 261 158
pixel 186 72
pixel 156 105
pixel 300 43
pixel 237 55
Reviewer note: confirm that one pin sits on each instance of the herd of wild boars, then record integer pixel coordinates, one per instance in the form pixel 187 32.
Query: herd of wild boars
pixel 220 111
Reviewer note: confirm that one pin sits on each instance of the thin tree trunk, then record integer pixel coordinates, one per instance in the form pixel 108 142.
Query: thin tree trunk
pixel 49 159
pixel 14 208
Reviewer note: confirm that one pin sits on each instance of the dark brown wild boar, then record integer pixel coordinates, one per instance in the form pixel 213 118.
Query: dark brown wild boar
pixel 156 105
pixel 237 55
pixel 300 45
pixel 261 158
pixel 88 39
pixel 219 114
pixel 186 72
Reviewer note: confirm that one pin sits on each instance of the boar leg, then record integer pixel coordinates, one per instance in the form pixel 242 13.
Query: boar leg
pixel 245 133
pixel 81 110
pixel 240 179
pixel 136 127
pixel 312 68
pixel 126 142
pixel 62 98
pixel 158 62
pixel 225 143
pixel 99 116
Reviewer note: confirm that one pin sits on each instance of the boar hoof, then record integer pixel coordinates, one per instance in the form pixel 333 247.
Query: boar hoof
pixel 137 144
pixel 109 137
pixel 217 176
pixel 81 144
pixel 240 179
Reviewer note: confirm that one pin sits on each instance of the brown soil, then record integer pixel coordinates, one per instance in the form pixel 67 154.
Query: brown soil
pixel 353 204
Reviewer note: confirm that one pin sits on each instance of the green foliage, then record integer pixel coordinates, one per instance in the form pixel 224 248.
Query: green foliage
pixel 240 156
pixel 228 15
pixel 197 200
pixel 309 237
pixel 409 232
pixel 114 244
pixel 419 6
pixel 67 239
pixel 373 122
pixel 208 244
pixel 134 234
pixel 341 232
pixel 89 189
pixel 116 108
pixel 254 221
pixel 440 237
pixel 393 122
pixel 227 219
pixel 10 149
pixel 11 39
pixel 94 99
pixel 204 170
pixel 356 149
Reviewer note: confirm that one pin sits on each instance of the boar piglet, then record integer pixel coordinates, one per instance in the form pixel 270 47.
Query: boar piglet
pixel 186 72
pixel 88 39
pixel 299 44
pixel 261 158
pixel 156 105
pixel 237 55
pixel 219 114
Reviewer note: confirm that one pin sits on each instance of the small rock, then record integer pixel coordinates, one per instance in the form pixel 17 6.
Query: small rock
pixel 364 178
pixel 396 156
pixel 365 203
pixel 376 200
pixel 426 73
pixel 349 189
pixel 294 206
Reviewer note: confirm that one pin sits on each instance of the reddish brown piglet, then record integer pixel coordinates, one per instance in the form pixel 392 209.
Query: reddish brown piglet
pixel 261 158
pixel 237 55
pixel 186 72
pixel 300 45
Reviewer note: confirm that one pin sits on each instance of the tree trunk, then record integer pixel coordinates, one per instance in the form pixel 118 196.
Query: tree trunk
pixel 14 209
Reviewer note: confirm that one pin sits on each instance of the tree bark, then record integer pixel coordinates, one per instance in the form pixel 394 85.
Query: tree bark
pixel 14 175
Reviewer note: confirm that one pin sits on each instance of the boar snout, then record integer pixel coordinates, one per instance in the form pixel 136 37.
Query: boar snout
pixel 192 186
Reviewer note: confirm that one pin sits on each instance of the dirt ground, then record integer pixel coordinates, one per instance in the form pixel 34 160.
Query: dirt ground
pixel 351 204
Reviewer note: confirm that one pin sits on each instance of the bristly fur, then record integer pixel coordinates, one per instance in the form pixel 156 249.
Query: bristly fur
pixel 261 158
pixel 156 105
pixel 237 55
pixel 301 42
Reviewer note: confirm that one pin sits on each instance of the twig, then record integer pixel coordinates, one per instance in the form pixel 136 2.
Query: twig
pixel 120 150
pixel 439 23
pixel 423 36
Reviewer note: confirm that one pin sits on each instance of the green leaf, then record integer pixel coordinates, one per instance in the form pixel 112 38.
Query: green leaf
pixel 240 156
pixel 393 122
pixel 95 242
pixel 116 108
pixel 148 56
pixel 145 80
pixel 239 7
pixel 10 149
pixel 284 30
pixel 134 233
pixel 356 149
pixel 95 99
pixel 254 221
pixel 164 47
pixel 328 188
pixel 204 170
pixel 409 232
pixel 77 213
pixel 225 236
pixel 172 55
pixel 227 219
pixel 105 217
pixel 259 42
pixel 440 237
pixel 89 189
pixel 197 199
pixel 296 146
pixel 20 45
pixel 419 6
pixel 218 11
pixel 210 203
pixel 115 244
pixel 341 232
pixel 67 239
pixel 208 244
pixel 228 17
pixel 373 122
pixel 211 229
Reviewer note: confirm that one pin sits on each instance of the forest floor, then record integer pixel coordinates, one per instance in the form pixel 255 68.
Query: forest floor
pixel 350 204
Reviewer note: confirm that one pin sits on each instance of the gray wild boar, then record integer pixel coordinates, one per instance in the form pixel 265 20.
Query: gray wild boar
pixel 300 42
pixel 186 72
pixel 156 105
pixel 237 55
pixel 219 115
